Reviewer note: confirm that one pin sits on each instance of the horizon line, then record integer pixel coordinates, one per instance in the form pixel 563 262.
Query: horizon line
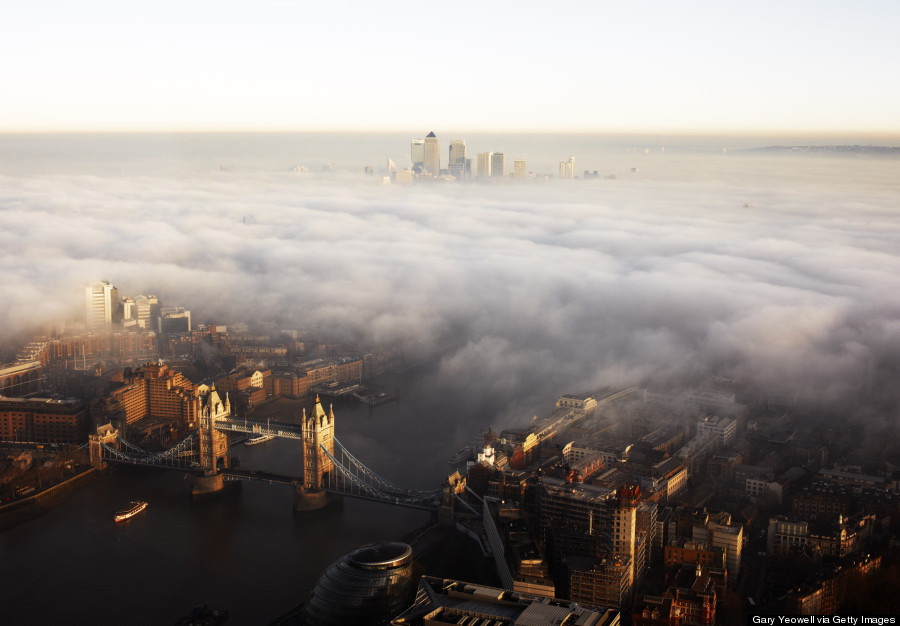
pixel 455 132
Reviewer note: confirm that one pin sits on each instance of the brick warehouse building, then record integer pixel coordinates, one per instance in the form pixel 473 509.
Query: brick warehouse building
pixel 43 419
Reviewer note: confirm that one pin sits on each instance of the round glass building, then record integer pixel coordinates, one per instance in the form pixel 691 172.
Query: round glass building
pixel 369 586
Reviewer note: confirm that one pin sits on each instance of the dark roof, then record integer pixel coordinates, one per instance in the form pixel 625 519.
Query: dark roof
pixel 431 134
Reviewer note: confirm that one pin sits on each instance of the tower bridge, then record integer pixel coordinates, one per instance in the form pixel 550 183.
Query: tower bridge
pixel 328 469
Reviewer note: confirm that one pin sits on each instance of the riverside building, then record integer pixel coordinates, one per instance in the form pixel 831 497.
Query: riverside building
pixel 43 419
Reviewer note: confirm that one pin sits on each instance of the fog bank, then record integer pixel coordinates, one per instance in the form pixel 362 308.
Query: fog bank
pixel 780 273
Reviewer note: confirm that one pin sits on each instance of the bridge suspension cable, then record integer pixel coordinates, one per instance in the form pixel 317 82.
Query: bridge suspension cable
pixel 182 456
pixel 350 469
pixel 131 446
pixel 383 483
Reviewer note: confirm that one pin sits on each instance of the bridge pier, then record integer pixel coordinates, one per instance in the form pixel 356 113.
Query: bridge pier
pixel 307 499
pixel 207 485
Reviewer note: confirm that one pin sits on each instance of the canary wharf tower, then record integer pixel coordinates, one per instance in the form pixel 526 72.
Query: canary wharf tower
pixel 432 155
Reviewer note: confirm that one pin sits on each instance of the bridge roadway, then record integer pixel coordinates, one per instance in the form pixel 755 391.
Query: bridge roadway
pixel 233 473
pixel 276 429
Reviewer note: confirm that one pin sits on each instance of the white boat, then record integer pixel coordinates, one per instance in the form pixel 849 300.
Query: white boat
pixel 134 509
pixel 258 439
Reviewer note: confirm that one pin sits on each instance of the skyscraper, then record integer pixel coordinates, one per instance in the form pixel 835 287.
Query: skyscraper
pixel 417 155
pixel 519 170
pixel 484 163
pixel 498 164
pixel 102 301
pixel 432 154
pixel 146 311
pixel 457 163
pixel 567 168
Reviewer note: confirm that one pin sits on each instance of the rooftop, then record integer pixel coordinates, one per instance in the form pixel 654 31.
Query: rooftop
pixel 451 601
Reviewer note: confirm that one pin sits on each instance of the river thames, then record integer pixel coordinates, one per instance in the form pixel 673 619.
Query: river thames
pixel 245 551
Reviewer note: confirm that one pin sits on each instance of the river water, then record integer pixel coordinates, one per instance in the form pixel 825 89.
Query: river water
pixel 245 551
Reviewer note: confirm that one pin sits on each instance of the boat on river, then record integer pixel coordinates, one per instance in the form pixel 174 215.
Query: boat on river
pixel 131 511
pixel 258 439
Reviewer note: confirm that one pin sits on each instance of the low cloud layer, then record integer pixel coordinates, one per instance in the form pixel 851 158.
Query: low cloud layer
pixel 782 273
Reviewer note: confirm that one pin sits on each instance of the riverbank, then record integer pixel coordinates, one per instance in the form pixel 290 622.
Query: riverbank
pixel 15 513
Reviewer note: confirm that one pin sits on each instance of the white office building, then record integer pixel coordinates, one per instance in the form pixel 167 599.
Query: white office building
pixel 102 300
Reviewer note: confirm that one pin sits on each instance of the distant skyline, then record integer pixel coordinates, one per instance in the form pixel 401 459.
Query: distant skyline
pixel 277 65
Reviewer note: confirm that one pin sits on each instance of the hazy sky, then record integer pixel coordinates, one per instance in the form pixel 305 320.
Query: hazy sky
pixel 290 65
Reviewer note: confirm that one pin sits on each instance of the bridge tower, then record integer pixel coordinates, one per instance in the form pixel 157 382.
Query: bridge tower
pixel 213 443
pixel 105 434
pixel 318 432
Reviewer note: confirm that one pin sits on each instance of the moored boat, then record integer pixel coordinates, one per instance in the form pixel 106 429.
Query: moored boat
pixel 131 511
